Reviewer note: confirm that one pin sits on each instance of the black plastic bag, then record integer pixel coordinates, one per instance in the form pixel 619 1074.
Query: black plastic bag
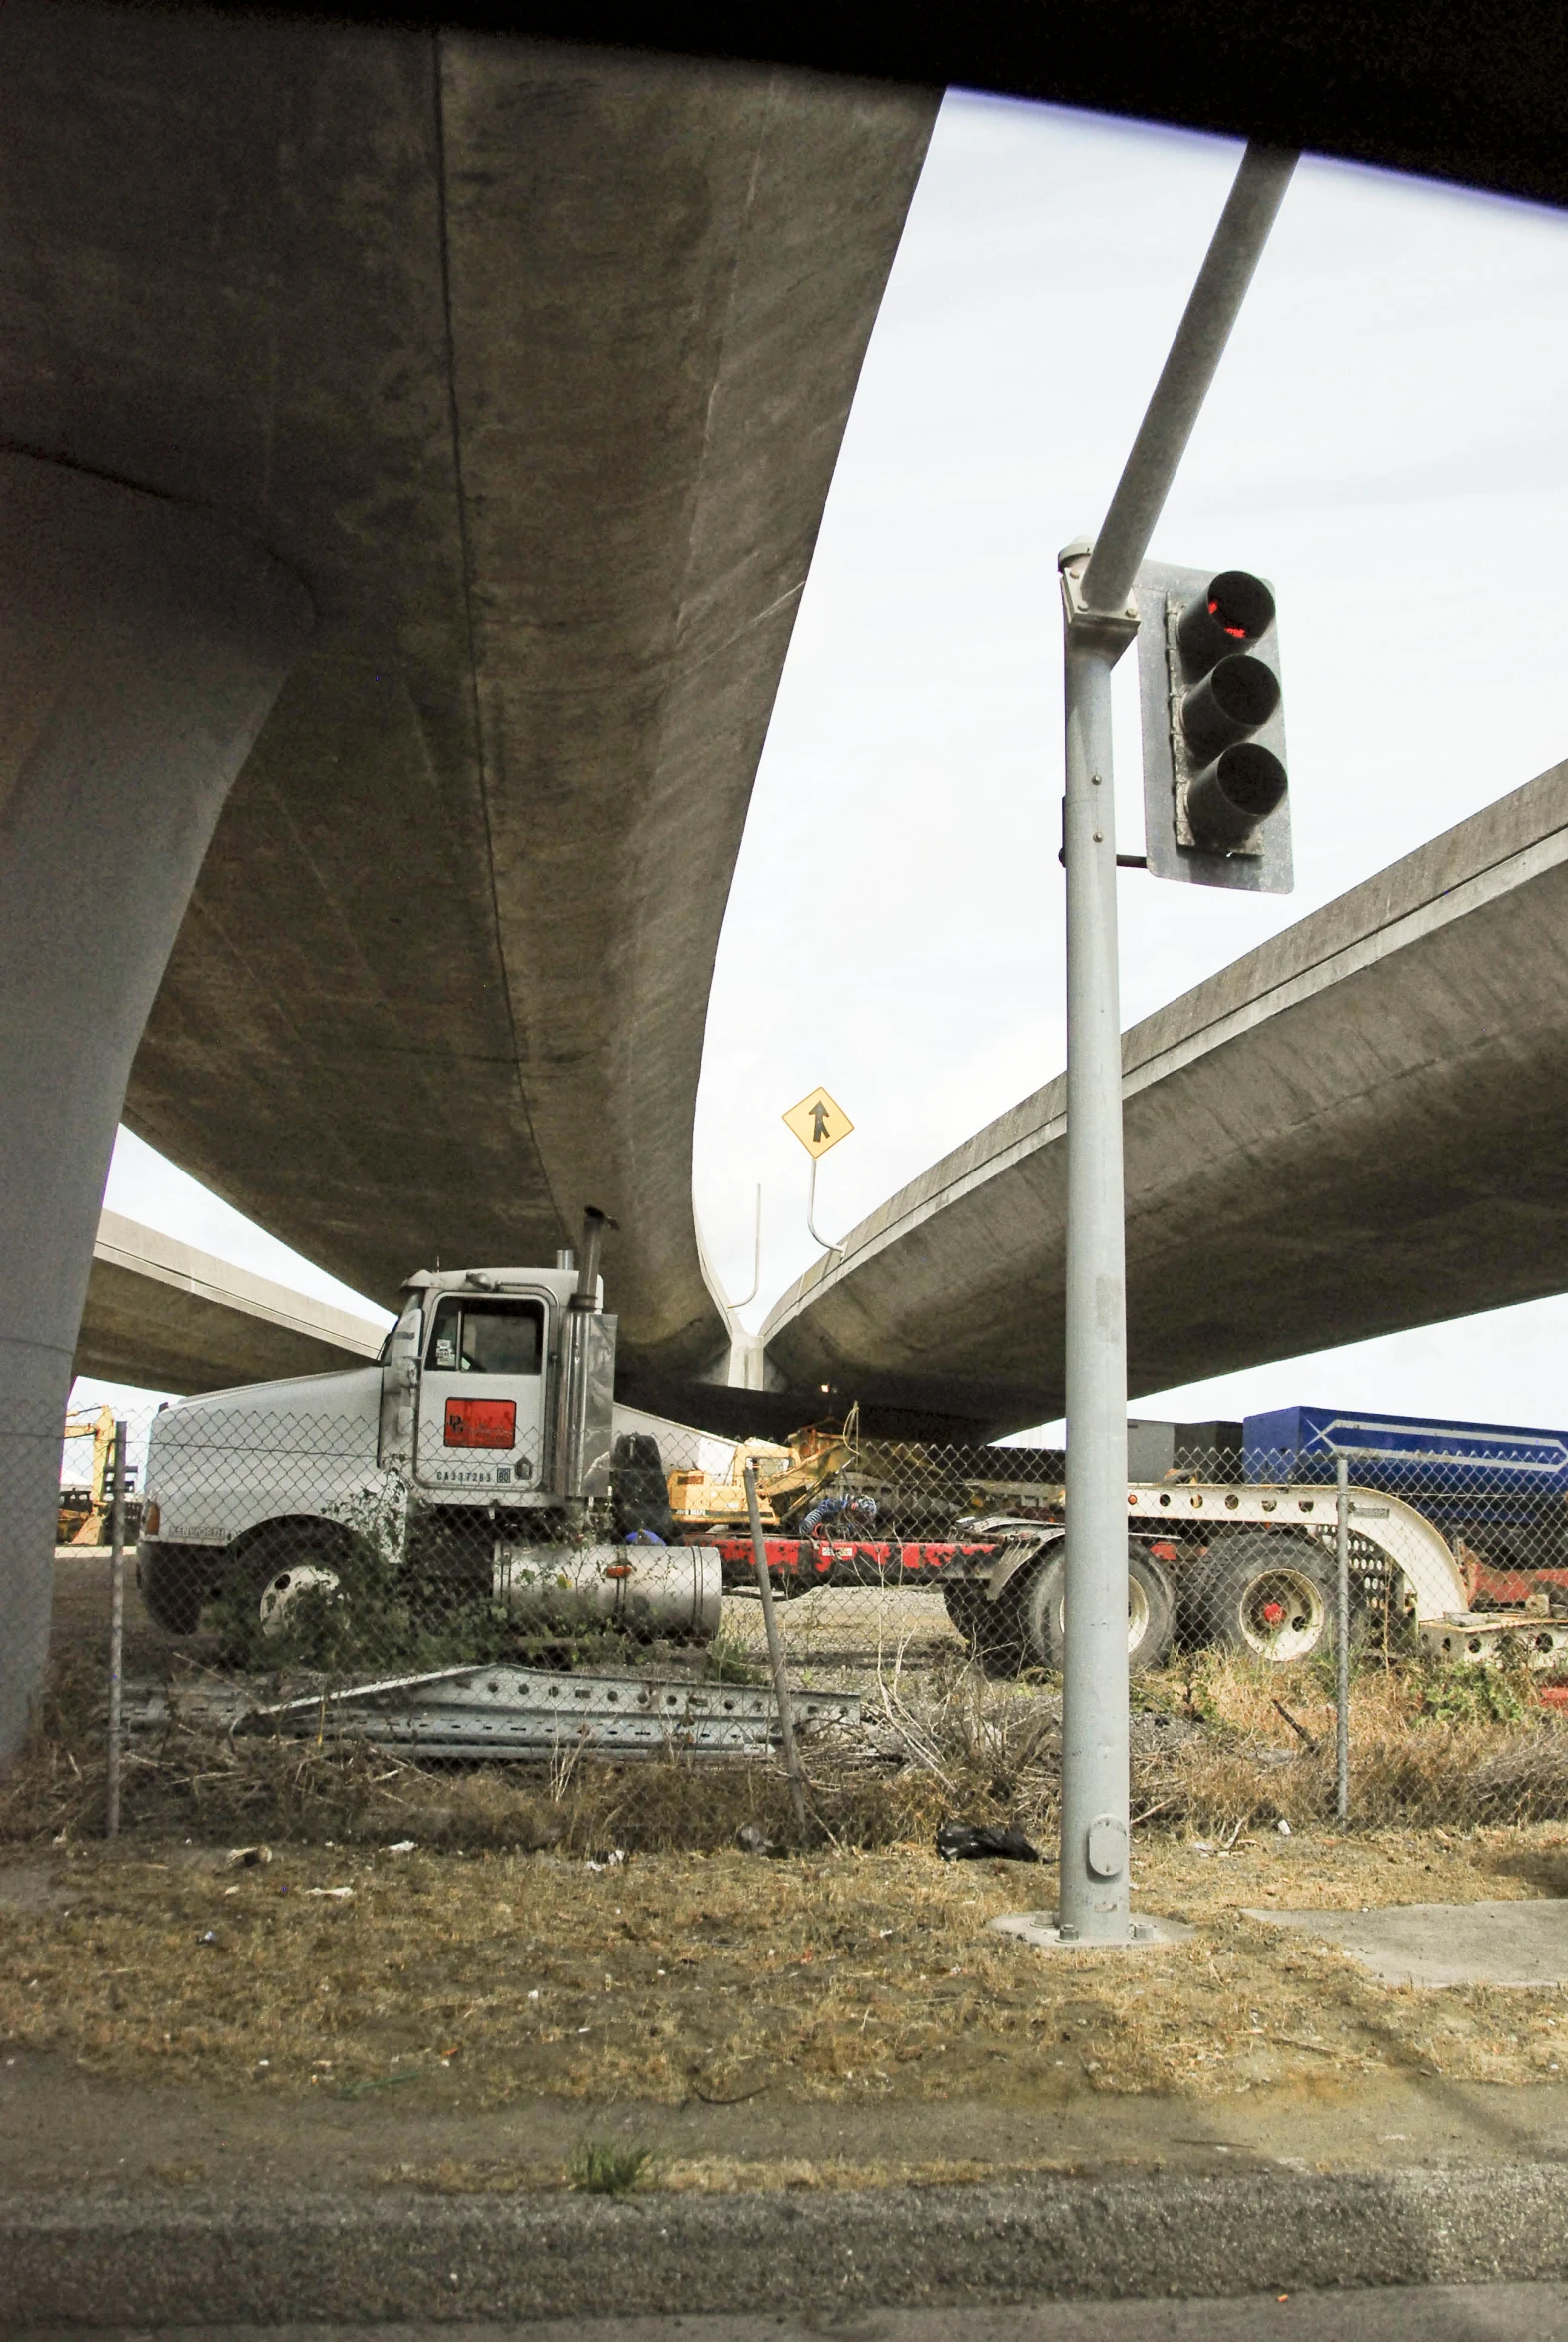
pixel 976 1842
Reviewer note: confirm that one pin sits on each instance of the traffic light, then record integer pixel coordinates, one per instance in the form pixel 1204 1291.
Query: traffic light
pixel 1216 795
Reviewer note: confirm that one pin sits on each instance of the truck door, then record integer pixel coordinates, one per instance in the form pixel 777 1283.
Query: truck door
pixel 481 1394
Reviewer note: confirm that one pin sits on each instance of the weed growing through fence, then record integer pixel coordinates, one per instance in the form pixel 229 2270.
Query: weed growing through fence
pixel 1469 1692
pixel 728 1659
pixel 1209 1743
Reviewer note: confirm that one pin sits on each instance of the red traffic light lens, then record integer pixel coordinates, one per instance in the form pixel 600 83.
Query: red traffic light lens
pixel 1240 605
pixel 1234 610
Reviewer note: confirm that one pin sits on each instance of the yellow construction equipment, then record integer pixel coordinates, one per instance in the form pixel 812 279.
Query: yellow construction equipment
pixel 84 1512
pixel 787 1479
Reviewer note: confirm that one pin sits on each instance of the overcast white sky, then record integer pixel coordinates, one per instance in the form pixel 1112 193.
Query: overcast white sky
pixel 1385 441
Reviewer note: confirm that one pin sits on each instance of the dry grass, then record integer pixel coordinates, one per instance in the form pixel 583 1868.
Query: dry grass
pixel 1212 1748
pixel 858 1976
pixel 1408 1764
pixel 199 1778
pixel 496 1962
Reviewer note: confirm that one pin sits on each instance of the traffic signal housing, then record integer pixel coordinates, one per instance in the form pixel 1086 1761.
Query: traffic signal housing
pixel 1217 792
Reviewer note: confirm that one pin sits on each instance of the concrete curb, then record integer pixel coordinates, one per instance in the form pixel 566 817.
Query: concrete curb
pixel 88 2262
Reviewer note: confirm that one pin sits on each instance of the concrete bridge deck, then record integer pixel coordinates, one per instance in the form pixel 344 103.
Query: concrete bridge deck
pixel 163 1316
pixel 1359 1128
pixel 532 365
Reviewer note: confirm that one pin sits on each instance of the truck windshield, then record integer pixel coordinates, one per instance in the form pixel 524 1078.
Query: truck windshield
pixel 486 1338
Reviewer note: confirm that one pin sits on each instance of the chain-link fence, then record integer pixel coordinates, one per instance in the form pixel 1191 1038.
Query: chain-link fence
pixel 297 1600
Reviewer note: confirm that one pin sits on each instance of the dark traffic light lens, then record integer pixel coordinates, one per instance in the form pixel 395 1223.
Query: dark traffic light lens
pixel 1243 690
pixel 1253 779
pixel 1235 697
pixel 1242 788
pixel 1234 610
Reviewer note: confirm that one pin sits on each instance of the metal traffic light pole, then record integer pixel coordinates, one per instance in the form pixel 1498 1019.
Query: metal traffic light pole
pixel 1098 624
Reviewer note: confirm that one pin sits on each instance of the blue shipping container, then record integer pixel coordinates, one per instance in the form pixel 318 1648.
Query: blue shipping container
pixel 1403 1453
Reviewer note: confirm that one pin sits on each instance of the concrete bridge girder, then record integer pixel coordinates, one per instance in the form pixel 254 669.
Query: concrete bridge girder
pixel 165 1316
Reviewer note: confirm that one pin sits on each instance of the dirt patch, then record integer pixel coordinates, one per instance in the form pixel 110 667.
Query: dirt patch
pixel 724 2175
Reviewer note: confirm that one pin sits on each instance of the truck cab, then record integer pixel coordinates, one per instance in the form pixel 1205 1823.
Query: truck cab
pixel 485 1428
pixel 496 1386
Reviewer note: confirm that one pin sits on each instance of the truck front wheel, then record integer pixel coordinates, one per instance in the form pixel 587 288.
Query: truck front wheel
pixel 1267 1595
pixel 1151 1611
pixel 276 1563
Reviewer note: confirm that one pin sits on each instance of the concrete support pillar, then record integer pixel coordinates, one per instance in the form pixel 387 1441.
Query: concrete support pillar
pixel 140 650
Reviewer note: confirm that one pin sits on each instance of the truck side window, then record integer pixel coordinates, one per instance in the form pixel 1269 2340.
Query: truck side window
pixel 486 1338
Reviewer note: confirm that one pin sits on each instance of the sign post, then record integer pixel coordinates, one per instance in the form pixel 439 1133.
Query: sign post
pixel 819 1123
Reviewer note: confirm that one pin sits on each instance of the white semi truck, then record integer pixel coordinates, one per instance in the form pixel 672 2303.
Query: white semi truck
pixel 483 1454
pixel 482 1451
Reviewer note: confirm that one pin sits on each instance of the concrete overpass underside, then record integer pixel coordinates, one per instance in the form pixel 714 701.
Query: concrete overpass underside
pixel 1358 1128
pixel 532 365
pixel 165 1316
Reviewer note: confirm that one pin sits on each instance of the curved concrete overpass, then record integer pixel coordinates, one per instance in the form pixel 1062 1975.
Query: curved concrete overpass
pixel 1359 1128
pixel 532 365
pixel 162 1314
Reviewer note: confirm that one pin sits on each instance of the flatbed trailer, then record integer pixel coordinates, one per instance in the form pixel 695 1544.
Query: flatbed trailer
pixel 1253 1566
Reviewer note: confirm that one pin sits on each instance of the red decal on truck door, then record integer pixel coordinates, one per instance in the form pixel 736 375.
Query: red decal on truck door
pixel 482 1422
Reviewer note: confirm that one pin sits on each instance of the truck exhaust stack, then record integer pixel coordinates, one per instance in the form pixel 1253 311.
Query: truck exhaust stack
pixel 585 1383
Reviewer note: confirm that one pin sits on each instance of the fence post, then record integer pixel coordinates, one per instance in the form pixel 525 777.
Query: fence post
pixel 1343 1643
pixel 759 1555
pixel 116 1619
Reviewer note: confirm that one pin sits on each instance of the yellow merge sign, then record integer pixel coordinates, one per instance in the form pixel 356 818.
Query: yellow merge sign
pixel 818 1123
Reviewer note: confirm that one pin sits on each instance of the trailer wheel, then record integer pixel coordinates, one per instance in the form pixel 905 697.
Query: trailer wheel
pixel 1151 1611
pixel 994 1630
pixel 1268 1594
pixel 175 1582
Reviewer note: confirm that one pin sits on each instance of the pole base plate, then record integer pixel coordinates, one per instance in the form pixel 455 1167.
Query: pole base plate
pixel 1043 1929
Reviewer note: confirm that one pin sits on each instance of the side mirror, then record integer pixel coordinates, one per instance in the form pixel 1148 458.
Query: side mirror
pixel 399 1383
